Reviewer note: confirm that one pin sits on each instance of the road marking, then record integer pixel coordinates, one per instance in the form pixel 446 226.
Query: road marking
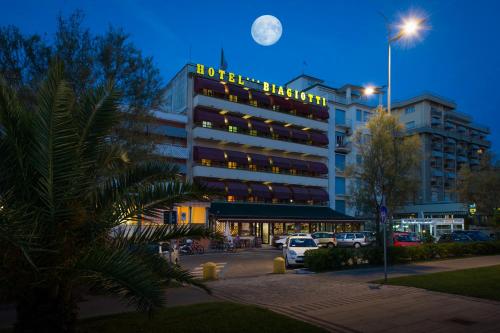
pixel 197 272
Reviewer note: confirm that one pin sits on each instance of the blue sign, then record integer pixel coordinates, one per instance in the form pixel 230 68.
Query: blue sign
pixel 383 214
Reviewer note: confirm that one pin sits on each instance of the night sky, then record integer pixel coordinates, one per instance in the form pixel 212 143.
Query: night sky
pixel 339 41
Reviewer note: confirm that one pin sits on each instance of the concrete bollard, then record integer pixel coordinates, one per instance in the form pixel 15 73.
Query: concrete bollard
pixel 279 265
pixel 209 271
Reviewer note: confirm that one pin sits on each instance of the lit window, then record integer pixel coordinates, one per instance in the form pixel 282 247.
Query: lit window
pixel 293 171
pixel 276 107
pixel 252 167
pixel 233 129
pixel 276 169
pixel 253 102
pixel 206 162
pixel 233 98
pixel 232 165
pixel 207 124
pixel 208 92
pixel 231 198
pixel 253 132
pixel 293 111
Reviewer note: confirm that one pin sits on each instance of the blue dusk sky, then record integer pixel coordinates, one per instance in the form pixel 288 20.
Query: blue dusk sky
pixel 339 41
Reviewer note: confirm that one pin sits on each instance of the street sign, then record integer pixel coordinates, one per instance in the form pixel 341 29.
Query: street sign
pixel 383 214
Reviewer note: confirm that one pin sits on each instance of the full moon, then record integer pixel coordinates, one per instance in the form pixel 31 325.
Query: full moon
pixel 266 30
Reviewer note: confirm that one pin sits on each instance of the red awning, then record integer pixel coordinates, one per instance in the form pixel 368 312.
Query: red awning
pixel 219 186
pixel 281 162
pixel 260 126
pixel 236 121
pixel 284 104
pixel 300 193
pixel 281 192
pixel 318 167
pixel 237 189
pixel 212 154
pixel 300 165
pixel 215 86
pixel 281 131
pixel 237 156
pixel 318 194
pixel 260 190
pixel 319 138
pixel 239 91
pixel 260 160
pixel 299 135
pixel 201 114
pixel 319 112
pixel 261 98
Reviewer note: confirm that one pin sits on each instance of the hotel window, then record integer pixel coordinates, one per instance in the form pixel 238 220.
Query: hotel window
pixel 233 98
pixel 359 115
pixel 252 167
pixel 276 169
pixel 231 198
pixel 293 171
pixel 340 162
pixel 207 124
pixel 293 111
pixel 206 162
pixel 410 125
pixel 253 102
pixel 410 109
pixel 276 107
pixel 253 132
pixel 340 116
pixel 233 129
pixel 208 92
pixel 232 165
pixel 339 185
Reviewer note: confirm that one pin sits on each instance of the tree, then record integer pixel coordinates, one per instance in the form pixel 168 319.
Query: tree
pixel 387 174
pixel 90 60
pixel 64 187
pixel 482 187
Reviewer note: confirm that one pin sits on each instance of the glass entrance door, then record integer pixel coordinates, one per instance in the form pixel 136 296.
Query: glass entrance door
pixel 265 233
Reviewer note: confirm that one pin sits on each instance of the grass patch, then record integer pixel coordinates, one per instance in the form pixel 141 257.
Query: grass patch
pixel 481 282
pixel 214 317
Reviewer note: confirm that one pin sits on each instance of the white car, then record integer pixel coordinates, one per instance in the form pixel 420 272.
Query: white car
pixel 295 247
pixel 279 243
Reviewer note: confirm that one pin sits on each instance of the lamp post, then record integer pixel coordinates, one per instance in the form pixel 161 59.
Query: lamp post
pixel 410 27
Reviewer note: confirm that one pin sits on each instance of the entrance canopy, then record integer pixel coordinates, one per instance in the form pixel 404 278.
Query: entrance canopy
pixel 277 213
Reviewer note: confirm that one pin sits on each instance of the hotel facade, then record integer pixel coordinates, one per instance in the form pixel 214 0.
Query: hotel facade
pixel 276 153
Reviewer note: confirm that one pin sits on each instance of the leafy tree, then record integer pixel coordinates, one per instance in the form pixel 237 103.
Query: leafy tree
pixel 482 187
pixel 388 172
pixel 64 187
pixel 90 60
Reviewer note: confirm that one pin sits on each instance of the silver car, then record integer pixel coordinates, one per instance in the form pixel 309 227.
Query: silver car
pixel 352 239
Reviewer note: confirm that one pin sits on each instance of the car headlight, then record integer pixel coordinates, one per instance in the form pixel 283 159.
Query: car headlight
pixel 292 253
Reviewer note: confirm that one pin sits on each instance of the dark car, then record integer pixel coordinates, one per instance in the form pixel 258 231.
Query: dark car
pixel 474 235
pixel 454 238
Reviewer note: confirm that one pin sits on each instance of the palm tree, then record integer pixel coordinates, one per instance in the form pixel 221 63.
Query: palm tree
pixel 64 186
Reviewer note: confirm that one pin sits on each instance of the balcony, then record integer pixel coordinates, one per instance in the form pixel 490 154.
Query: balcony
pixel 343 147
pixel 436 153
pixel 347 124
pixel 436 173
pixel 449 156
pixel 436 123
pixel 172 151
pixel 448 125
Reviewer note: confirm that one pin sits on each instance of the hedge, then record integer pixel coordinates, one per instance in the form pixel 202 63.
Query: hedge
pixel 340 258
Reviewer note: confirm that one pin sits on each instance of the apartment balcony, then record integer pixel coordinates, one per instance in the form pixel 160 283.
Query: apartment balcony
pixel 436 153
pixel 436 123
pixel 343 147
pixel 474 161
pixel 450 166
pixel 449 126
pixel 436 181
pixel 449 156
pixel 451 175
pixel 347 124
pixel 437 173
pixel 172 151
pixel 257 176
pixel 436 112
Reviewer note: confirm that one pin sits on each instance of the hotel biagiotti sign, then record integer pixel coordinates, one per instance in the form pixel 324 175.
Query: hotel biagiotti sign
pixel 269 88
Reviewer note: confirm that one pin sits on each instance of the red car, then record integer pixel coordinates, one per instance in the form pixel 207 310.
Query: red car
pixel 405 239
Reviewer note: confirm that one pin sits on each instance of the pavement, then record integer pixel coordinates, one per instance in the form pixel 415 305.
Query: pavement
pixel 342 301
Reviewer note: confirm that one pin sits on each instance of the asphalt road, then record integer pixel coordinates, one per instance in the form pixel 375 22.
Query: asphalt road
pixel 243 263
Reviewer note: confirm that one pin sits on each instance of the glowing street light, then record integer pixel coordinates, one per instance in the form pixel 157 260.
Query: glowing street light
pixel 369 90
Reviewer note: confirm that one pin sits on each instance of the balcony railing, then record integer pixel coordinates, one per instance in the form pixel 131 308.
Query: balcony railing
pixel 170 150
pixel 343 147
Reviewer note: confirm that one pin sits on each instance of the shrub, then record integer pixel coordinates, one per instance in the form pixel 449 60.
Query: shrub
pixel 339 258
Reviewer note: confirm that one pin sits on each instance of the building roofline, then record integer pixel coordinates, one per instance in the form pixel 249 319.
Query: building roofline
pixel 426 96
pixel 306 76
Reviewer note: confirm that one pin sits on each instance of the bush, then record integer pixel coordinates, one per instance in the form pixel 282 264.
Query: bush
pixel 339 258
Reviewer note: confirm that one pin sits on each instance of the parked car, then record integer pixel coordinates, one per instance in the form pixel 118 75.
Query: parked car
pixel 279 243
pixel 475 235
pixel 370 235
pixel 324 238
pixel 295 247
pixel 352 239
pixel 454 238
pixel 405 239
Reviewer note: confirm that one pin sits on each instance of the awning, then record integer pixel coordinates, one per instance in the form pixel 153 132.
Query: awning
pixel 281 192
pixel 260 126
pixel 237 189
pixel 237 156
pixel 219 186
pixel 319 138
pixel 260 160
pixel 261 98
pixel 215 86
pixel 238 122
pixel 299 165
pixel 281 131
pixel 299 135
pixel 283 104
pixel 300 193
pixel 201 114
pixel 318 167
pixel 212 154
pixel 238 91
pixel 319 112
pixel 318 194
pixel 281 162
pixel 277 213
pixel 260 190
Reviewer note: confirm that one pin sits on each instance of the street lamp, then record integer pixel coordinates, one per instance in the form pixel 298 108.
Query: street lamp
pixel 409 28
